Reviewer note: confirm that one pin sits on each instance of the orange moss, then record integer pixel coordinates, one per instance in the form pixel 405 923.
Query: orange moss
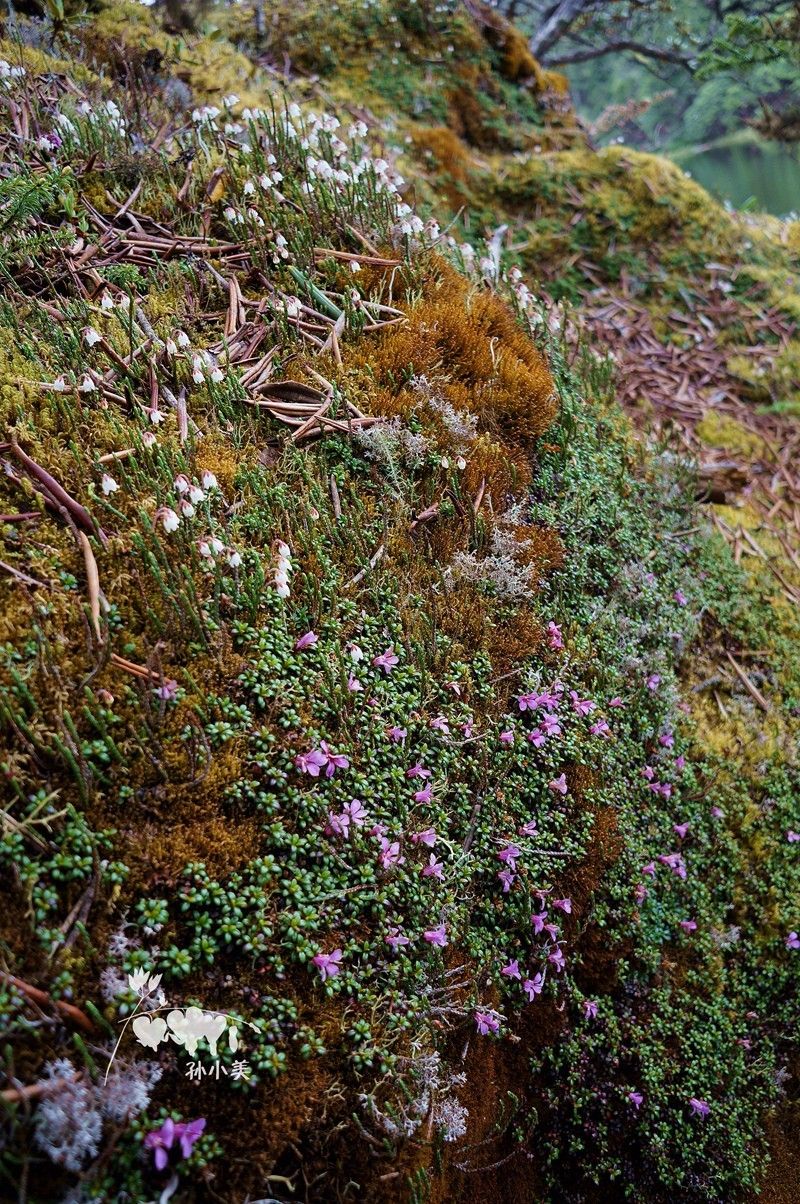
pixel 444 149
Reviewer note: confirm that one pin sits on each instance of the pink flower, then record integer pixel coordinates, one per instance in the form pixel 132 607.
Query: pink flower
pixel 667 739
pixel 793 941
pixel 509 854
pixel 397 735
pixel 648 772
pixel 558 785
pixel 167 690
pixel 353 684
pixel 418 771
pixel 653 681
pixel 528 702
pixel 564 905
pixel 589 1009
pixel 436 936
pixel 162 1140
pixel 538 921
pixel 434 868
pixel 427 837
pixel 306 641
pixel 390 853
pixel 536 737
pixel 688 925
pixel 550 725
pixel 338 825
pixel 468 728
pixel 356 812
pixel 581 706
pixel 529 828
pixel 636 1099
pixel 507 877
pixel 396 939
pixel 699 1106
pixel 311 762
pixel 601 728
pixel 649 869
pixel 328 963
pixel 507 737
pixel 557 959
pixel 680 762
pixel 792 837
pixel 640 892
pixel 552 930
pixel 486 1022
pixel 533 986
pixel 556 639
pixel 334 760
pixel 665 789
pixel 440 724
pixel 511 970
pixel 616 702
pixel 423 796
pixel 681 830
pixel 717 813
pixel 386 661
pixel 675 863
pixel 680 597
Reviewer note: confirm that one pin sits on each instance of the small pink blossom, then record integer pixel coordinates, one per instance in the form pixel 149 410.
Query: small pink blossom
pixel 356 812
pixel 680 830
pixel 557 959
pixel 440 724
pixel 792 837
pixel 398 735
pixel 793 941
pixel 328 963
pixel 589 1009
pixel 581 706
pixel 688 925
pixel 386 661
pixel 507 737
pixel 529 828
pixel 636 1099
pixel 680 763
pixel 616 702
pixel 511 970
pixel 699 1106
pixel 486 1022
pixel 533 986
pixel 552 930
pixel 556 639
pixel 509 854
pixel 434 868
pixel 306 641
pixel 558 785
pixel 334 760
pixel 649 869
pixel 640 892
pixel 564 905
pixel 390 853
pixel 536 737
pixel 418 771
pixel 538 921
pixel 436 936
pixel 675 863
pixel 428 837
pixel 423 796
pixel 666 739
pixel 550 725
pixel 601 728
pixel 507 877
pixel 680 597
pixel 167 691
pixel 311 762
pixel 396 939
pixel 653 681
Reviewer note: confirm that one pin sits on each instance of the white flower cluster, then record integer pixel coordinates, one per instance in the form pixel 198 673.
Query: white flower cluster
pixel 283 569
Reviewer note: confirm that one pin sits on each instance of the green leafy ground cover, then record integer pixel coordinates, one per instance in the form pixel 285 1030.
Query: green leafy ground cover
pixel 379 738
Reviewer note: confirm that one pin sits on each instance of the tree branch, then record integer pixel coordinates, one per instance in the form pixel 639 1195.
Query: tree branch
pixel 653 52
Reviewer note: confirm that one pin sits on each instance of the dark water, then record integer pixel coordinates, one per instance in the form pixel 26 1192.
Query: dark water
pixel 766 174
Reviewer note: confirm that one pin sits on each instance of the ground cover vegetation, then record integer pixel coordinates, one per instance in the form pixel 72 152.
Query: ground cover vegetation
pixel 399 649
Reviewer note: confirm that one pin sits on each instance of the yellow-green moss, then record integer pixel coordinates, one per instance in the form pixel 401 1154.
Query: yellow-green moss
pixel 723 431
